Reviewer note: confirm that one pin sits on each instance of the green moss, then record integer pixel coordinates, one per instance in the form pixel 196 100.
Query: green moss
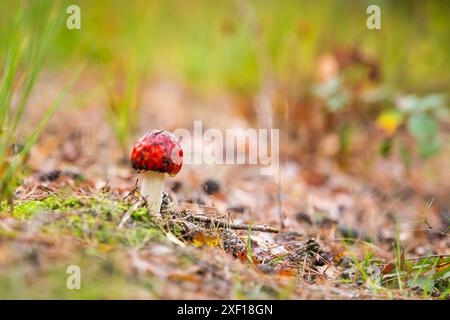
pixel 24 209
pixel 93 219
pixel 91 224
pixel 27 209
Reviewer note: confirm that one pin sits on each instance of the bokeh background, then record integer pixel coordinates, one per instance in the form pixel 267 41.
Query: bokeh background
pixel 363 114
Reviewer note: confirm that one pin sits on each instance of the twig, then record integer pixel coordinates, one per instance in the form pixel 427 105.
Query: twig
pixel 433 229
pixel 128 214
pixel 428 257
pixel 132 191
pixel 223 224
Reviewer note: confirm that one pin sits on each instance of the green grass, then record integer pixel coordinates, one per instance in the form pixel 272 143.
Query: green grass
pixel 23 53
pixel 123 109
pixel 408 276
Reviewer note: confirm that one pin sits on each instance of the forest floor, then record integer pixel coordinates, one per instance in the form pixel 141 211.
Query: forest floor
pixel 339 237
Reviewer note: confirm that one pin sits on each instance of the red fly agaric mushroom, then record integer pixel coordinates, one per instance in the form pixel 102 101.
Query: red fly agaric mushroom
pixel 155 154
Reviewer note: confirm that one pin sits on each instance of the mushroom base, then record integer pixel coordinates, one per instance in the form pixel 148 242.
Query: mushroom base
pixel 152 190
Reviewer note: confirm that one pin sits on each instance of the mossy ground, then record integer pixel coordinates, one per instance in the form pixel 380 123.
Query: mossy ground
pixel 39 239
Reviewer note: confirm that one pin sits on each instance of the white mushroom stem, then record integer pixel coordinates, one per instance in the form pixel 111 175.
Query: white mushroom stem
pixel 152 190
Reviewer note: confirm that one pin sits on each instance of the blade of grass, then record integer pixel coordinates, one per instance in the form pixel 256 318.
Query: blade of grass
pixel 26 52
pixel 249 243
pixel 399 261
pixel 36 64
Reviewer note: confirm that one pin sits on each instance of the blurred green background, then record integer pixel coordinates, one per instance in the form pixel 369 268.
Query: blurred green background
pixel 231 44
pixel 337 90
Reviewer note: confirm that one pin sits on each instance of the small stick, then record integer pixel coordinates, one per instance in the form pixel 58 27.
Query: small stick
pixel 237 226
pixel 430 256
pixel 433 229
pixel 132 191
pixel 128 214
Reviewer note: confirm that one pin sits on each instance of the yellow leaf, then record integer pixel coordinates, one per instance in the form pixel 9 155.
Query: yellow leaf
pixel 201 239
pixel 104 248
pixel 389 121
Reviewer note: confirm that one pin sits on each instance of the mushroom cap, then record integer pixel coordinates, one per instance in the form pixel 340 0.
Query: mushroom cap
pixel 157 151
